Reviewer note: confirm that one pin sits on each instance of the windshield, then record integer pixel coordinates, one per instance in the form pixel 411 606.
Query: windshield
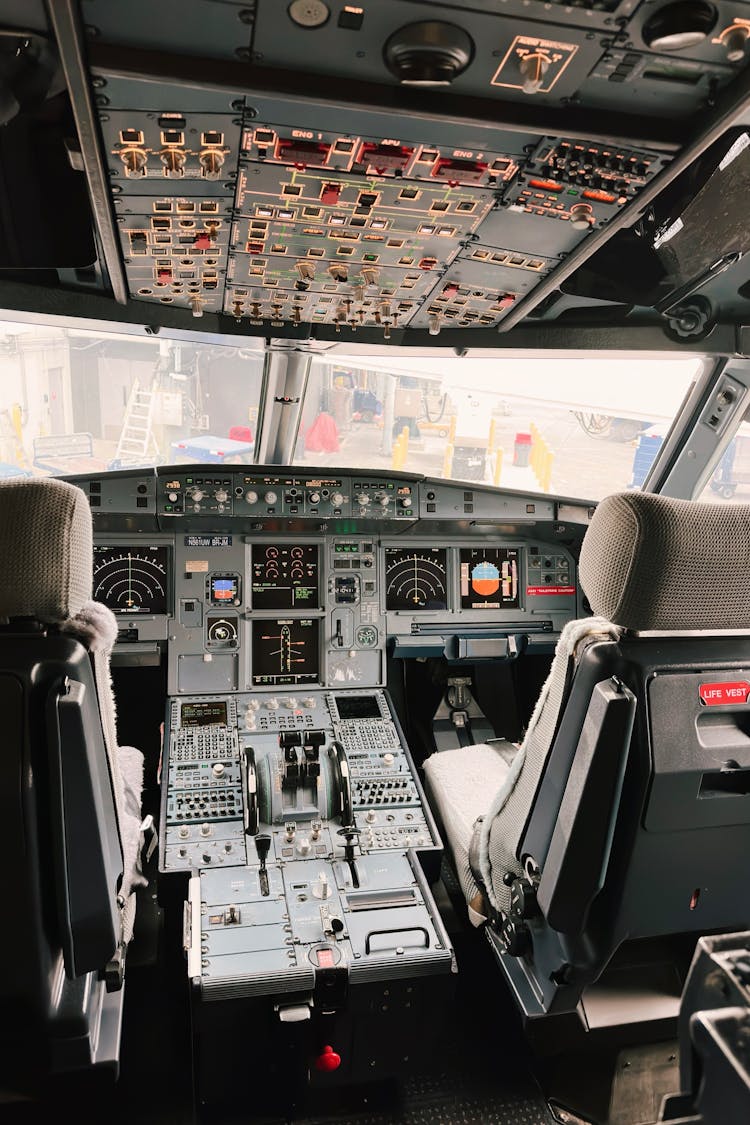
pixel 73 401
pixel 579 426
pixel 77 401
pixel 730 479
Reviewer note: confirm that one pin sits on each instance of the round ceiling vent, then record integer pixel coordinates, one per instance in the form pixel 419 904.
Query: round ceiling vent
pixel 430 53
pixel 679 26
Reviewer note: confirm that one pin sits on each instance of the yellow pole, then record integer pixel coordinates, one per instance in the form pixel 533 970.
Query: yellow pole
pixel 491 438
pixel 548 471
pixel 448 460
pixel 396 453
pixel 16 416
pixel 498 465
pixel 404 446
pixel 452 430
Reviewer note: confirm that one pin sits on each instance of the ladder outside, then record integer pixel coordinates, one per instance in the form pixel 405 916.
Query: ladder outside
pixel 137 444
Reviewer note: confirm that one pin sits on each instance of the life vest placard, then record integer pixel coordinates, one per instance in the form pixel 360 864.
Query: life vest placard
pixel 540 591
pixel 719 695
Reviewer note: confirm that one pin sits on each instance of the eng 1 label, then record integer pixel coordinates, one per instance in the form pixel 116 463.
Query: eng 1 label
pixel 538 591
pixel 208 540
pixel 719 695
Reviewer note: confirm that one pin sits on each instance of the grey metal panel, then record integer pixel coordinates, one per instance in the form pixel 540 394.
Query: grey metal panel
pixel 219 673
pixel 221 29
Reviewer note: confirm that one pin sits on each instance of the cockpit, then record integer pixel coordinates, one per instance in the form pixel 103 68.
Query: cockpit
pixel 374 644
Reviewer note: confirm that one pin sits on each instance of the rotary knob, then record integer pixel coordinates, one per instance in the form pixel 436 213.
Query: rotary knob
pixel 222 495
pixel 253 705
pixel 337 499
pixel 303 846
pixel 362 499
pixel 270 498
pixel 533 67
pixel 251 497
pixel 272 704
pixel 314 497
pixel 581 216
pixel 173 497
pixel 382 499
pixel 735 43
pixel 198 495
pixel 290 702
pixel 218 769
pixel 205 829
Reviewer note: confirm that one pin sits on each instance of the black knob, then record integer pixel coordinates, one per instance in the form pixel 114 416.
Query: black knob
pixel 262 847
pixel 523 902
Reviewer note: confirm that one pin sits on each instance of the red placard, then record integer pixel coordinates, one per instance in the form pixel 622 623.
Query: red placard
pixel 719 695
pixel 537 591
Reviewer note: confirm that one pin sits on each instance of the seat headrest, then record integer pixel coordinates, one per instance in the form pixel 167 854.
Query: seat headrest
pixel 651 562
pixel 46 552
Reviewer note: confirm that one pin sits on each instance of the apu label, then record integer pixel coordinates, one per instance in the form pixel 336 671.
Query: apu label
pixel 718 695
pixel 537 591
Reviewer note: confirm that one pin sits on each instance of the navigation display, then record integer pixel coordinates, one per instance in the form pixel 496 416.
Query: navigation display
pixel 285 652
pixel 285 576
pixel 132 579
pixel 415 578
pixel 489 578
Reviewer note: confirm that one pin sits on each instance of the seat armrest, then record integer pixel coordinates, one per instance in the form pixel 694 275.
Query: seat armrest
pixel 85 836
pixel 575 867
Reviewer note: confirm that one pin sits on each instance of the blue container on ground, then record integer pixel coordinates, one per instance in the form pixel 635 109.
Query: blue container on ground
pixel 645 455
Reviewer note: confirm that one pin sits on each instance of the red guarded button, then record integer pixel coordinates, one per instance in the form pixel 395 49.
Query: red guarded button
pixel 328 1060
pixel 719 695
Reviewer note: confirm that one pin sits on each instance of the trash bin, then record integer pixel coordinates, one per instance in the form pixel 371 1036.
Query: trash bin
pixel 522 450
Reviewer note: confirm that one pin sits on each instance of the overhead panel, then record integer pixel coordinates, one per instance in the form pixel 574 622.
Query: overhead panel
pixel 282 211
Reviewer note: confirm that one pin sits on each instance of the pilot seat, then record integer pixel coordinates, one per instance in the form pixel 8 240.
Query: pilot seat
pixel 621 826
pixel 69 798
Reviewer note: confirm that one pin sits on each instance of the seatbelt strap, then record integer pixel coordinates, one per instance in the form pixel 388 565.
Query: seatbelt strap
pixel 148 838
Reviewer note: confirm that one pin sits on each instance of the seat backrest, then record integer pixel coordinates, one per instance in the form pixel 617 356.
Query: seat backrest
pixel 629 807
pixel 58 787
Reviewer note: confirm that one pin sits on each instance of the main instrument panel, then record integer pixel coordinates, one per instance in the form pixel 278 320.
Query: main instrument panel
pixel 265 581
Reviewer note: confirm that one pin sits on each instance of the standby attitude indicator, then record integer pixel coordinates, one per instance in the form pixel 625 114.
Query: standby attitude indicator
pixel 131 580
pixel 489 578
pixel 415 579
